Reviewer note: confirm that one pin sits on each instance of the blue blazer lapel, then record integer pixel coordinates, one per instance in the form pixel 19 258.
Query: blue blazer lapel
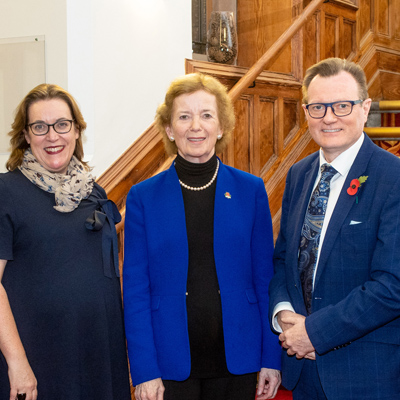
pixel 344 204
pixel 172 222
pixel 224 209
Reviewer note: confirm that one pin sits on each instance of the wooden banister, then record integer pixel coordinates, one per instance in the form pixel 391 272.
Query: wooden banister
pixel 374 128
pixel 385 105
pixel 383 132
pixel 274 50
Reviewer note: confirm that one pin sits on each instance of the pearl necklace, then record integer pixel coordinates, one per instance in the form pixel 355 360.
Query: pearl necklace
pixel 201 187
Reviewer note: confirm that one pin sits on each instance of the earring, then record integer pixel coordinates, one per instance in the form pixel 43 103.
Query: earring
pixel 171 138
pixel 219 137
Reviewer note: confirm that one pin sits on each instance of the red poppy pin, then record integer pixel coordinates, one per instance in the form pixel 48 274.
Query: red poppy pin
pixel 228 195
pixel 355 184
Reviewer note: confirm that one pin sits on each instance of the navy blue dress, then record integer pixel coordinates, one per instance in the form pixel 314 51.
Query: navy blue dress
pixel 64 292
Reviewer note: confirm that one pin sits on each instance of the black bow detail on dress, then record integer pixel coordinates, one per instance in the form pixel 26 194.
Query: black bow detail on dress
pixel 107 211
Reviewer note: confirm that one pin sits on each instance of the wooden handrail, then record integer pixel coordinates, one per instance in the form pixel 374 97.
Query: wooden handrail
pixel 261 64
pixel 385 105
pixel 383 132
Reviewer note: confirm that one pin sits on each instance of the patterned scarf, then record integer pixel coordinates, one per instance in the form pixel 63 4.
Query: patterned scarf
pixel 69 189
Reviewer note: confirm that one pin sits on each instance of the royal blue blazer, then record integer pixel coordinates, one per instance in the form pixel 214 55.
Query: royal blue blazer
pixel 156 267
pixel 355 323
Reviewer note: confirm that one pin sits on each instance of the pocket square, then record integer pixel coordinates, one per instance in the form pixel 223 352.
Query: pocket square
pixel 355 222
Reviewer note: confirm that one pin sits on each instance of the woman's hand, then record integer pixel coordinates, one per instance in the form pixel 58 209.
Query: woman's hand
pixel 269 381
pixel 22 380
pixel 150 390
pixel 20 374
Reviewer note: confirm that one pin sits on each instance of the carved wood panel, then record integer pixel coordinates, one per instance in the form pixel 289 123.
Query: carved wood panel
pixel 259 24
pixel 349 38
pixel 383 17
pixel 312 41
pixel 291 118
pixel 239 147
pixel 267 128
pixel 331 35
pixel 395 19
pixel 365 17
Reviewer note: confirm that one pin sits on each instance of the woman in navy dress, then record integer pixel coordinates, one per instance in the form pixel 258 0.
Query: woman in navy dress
pixel 61 321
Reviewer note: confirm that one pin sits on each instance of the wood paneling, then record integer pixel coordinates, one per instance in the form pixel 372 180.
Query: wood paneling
pixel 268 129
pixel 290 118
pixel 261 22
pixel 386 24
pixel 383 17
pixel 242 134
pixel 365 17
pixel 312 41
pixel 390 85
pixel 259 25
pixel 395 19
pixel 348 38
pixel 332 34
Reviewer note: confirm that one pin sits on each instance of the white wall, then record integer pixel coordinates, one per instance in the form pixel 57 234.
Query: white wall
pixel 117 57
pixel 25 18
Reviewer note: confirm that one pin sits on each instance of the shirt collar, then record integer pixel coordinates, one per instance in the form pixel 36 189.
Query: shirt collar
pixel 343 162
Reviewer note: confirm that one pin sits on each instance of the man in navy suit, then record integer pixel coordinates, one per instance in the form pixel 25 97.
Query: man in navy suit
pixel 340 328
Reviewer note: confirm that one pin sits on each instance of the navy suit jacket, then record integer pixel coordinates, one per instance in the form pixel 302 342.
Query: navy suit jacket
pixel 156 267
pixel 355 324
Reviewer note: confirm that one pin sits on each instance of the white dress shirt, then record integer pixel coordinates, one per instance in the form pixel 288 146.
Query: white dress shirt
pixel 342 164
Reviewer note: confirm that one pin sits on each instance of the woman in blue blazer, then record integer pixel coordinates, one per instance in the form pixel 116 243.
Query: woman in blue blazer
pixel 198 261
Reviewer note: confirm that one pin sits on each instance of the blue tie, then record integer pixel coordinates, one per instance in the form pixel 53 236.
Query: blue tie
pixel 311 232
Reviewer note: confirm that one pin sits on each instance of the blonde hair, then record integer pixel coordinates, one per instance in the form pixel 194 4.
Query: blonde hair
pixel 189 84
pixel 331 67
pixel 18 142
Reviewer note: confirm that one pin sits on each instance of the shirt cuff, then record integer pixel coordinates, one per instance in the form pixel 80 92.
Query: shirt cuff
pixel 283 305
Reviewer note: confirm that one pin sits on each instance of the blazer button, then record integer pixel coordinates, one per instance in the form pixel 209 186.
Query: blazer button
pixel 187 293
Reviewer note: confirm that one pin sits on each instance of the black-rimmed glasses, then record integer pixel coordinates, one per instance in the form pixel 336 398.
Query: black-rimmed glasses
pixel 339 108
pixel 41 128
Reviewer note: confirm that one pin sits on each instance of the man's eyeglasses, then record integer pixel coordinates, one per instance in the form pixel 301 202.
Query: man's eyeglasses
pixel 339 108
pixel 41 128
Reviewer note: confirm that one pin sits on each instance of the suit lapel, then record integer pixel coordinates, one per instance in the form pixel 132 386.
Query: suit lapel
pixel 223 209
pixel 174 218
pixel 344 204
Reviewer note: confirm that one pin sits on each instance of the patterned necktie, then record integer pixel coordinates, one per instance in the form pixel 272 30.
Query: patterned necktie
pixel 311 232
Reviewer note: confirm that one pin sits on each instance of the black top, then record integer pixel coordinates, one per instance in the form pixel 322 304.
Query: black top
pixel 67 310
pixel 203 299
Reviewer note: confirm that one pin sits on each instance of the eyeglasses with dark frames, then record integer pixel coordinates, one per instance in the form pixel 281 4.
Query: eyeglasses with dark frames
pixel 41 128
pixel 339 108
